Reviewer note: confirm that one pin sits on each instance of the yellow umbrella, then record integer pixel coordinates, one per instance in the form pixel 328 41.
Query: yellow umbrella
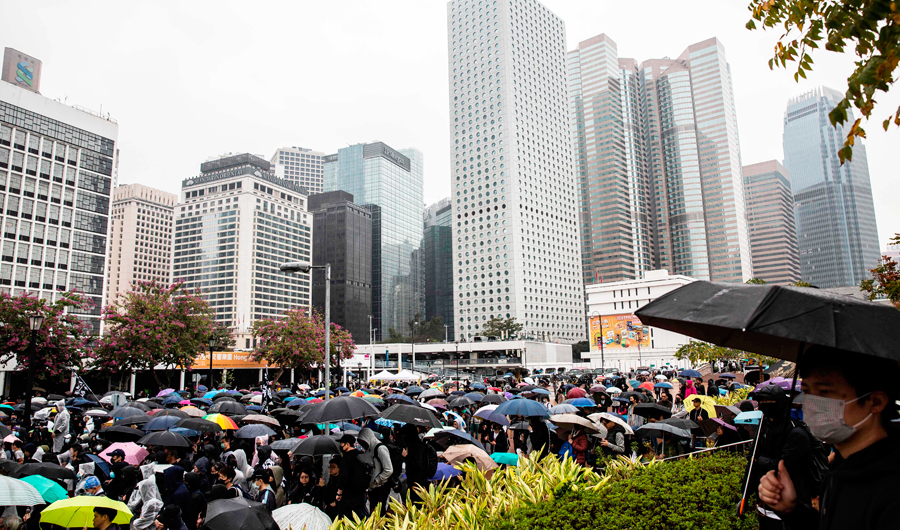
pixel 706 403
pixel 78 512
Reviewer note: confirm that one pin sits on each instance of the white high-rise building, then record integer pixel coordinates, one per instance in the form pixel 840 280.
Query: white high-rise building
pixel 300 166
pixel 515 224
pixel 235 226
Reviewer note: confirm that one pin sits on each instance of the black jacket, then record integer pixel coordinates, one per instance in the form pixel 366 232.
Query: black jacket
pixel 860 492
pixel 502 442
pixel 540 438
pixel 348 479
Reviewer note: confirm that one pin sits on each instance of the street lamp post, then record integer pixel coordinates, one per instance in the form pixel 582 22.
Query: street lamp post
pixel 300 266
pixel 359 367
pixel 457 363
pixel 212 345
pixel 35 322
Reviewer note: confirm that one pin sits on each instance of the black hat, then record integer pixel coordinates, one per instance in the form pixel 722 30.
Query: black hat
pixel 261 473
pixel 169 515
pixel 347 439
pixel 116 452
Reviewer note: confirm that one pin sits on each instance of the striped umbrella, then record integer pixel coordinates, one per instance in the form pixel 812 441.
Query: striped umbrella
pixel 14 492
pixel 224 421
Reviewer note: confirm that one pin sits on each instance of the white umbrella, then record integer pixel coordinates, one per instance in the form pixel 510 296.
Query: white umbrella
pixel 529 380
pixel 572 419
pixel 257 399
pixel 14 492
pixel 43 414
pixel 436 430
pixel 304 386
pixel 429 407
pixel 613 390
pixel 38 401
pixel 661 377
pixel 301 517
pixel 597 416
pixel 97 412
pixel 488 408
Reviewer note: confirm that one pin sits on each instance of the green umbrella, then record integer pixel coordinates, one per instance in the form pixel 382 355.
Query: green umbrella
pixel 510 459
pixel 50 491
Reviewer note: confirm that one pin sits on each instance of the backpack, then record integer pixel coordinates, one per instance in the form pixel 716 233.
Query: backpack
pixel 566 451
pixel 365 468
pixel 375 456
pixel 397 463
pixel 818 462
pixel 432 459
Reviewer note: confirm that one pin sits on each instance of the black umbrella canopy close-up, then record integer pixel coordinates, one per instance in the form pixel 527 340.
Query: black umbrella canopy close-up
pixel 776 321
pixel 344 408
pixel 238 514
pixel 199 425
pixel 418 416
pixel 165 439
pixel 652 410
pixel 121 433
pixel 229 408
pixel 317 445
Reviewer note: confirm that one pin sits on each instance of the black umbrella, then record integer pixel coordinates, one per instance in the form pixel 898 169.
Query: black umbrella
pixel 652 410
pixel 133 420
pixel 414 390
pixel 475 396
pixel 127 412
pixel 141 405
pixel 418 416
pixel 460 401
pixel 4 430
pixel 299 404
pixel 171 412
pixel 121 433
pixel 285 445
pixel 51 471
pixel 165 439
pixel 238 514
pixel 776 321
pixel 253 430
pixel 317 445
pixel 342 408
pixel 199 425
pixel 639 396
pixel 400 398
pixel 493 399
pixel 660 428
pixel 681 423
pixel 229 408
pixel 446 438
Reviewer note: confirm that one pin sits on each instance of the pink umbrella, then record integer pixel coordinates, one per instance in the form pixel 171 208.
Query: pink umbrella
pixel 134 453
pixel 184 402
pixel 575 393
pixel 165 392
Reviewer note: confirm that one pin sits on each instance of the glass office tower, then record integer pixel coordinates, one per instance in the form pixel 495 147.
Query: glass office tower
pixel 833 207
pixel 389 183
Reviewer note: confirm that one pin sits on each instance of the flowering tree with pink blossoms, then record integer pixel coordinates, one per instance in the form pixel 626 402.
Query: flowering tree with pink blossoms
pixel 297 340
pixel 154 325
pixel 61 341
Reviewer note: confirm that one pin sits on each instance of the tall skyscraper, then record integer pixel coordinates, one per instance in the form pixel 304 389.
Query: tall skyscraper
pixel 389 183
pixel 641 133
pixel 515 221
pixel 437 249
pixel 605 112
pixel 235 226
pixel 836 231
pixel 57 168
pixel 300 166
pixel 342 236
pixel 770 219
pixel 140 238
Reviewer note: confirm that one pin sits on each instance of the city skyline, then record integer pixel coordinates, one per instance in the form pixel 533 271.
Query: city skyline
pixel 186 76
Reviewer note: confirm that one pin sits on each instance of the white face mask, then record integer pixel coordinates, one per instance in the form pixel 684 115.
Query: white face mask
pixel 825 418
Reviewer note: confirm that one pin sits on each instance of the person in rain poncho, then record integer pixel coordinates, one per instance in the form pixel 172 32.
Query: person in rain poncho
pixel 60 426
pixel 149 502
pixel 242 469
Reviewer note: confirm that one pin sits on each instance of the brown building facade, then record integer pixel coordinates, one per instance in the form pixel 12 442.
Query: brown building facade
pixel 770 218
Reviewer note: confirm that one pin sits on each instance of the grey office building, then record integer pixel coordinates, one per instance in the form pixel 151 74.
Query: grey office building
pixel 387 182
pixel 342 236
pixel 437 248
pixel 836 231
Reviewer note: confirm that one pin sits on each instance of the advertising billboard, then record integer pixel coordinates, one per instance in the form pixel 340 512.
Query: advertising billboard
pixel 227 361
pixel 618 332
pixel 21 70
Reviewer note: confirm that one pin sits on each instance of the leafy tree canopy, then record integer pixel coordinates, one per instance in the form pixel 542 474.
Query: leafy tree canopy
pixel 885 280
pixel 502 327
pixel 870 27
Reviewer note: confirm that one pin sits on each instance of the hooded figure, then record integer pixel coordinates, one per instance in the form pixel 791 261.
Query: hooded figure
pixel 689 389
pixel 242 469
pixel 197 505
pixel 276 485
pixel 201 467
pixel 60 426
pixel 176 492
pixel 264 457
pixel 380 455
pixel 148 501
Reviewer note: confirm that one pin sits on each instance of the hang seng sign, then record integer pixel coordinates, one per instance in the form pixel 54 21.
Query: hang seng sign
pixel 227 361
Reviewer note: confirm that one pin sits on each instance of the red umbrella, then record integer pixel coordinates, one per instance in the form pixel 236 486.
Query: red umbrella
pixel 577 392
pixel 648 385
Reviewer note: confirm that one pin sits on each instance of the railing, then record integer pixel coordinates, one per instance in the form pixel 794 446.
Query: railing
pixel 709 450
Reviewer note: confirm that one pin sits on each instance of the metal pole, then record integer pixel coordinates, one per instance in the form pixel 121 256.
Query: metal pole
pixel 446 333
pixel 328 330
pixel 26 421
pixel 212 384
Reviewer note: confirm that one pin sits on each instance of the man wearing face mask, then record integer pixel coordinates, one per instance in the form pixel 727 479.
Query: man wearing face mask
pixel 849 403
pixel 788 441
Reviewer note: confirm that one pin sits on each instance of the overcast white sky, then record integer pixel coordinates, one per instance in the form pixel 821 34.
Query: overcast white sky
pixel 189 80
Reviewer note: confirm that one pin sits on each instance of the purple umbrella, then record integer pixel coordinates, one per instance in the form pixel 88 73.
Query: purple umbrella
pixel 721 422
pixel 165 392
pixel 507 395
pixel 445 472
pixel 779 381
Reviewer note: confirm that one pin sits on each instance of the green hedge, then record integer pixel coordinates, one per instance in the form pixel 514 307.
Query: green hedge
pixel 686 494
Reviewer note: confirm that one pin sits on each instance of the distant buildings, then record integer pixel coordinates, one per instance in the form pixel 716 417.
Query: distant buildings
pixel 515 203
pixel 836 231
pixel 389 183
pixel 235 226
pixel 342 236
pixel 140 238
pixel 659 164
pixel 300 166
pixel 437 249
pixel 770 218
pixel 57 170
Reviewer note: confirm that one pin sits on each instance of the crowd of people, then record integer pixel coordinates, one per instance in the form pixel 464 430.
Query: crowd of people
pixel 169 457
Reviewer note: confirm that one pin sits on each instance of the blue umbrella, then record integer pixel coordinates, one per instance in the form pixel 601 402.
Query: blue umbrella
pixel 445 472
pixel 541 391
pixel 341 389
pixel 254 408
pixel 727 376
pixel 173 399
pixel 475 396
pixel 522 407
pixel 690 373
pixel 748 418
pixel 201 388
pixel 384 422
pixel 347 426
pixel 162 423
pixel 202 401
pixel 457 393
pixel 509 459
pixel 395 398
pixel 321 393
pixel 581 402
pixel 479 386
pixel 190 433
pixel 290 398
pixel 508 375
pixel 212 393
pixel 100 463
pixel 491 415
pixel 81 402
pixel 663 385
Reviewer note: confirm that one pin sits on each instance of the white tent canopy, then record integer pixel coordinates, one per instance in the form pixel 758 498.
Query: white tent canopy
pixel 402 375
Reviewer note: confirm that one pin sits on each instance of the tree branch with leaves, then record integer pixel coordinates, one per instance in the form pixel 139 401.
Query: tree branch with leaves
pixel 870 27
